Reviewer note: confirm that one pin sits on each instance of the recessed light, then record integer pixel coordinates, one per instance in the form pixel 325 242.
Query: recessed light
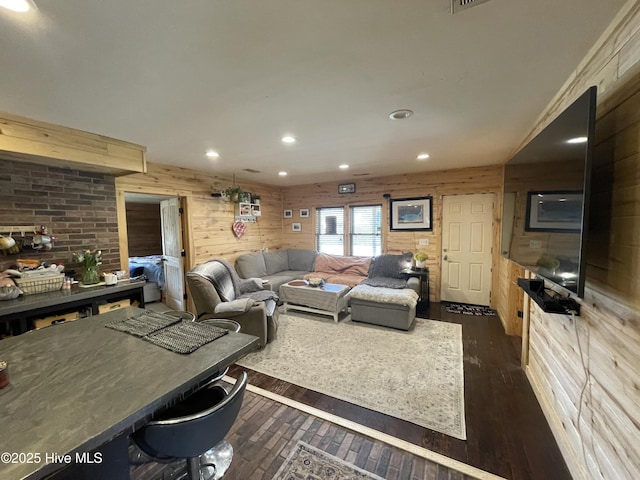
pixel 400 114
pixel 212 154
pixel 288 139
pixel 344 166
pixel 578 140
pixel 423 156
pixel 18 5
pixel 282 174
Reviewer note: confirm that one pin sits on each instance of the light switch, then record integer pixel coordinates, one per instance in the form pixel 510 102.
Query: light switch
pixel 535 244
pixel 423 242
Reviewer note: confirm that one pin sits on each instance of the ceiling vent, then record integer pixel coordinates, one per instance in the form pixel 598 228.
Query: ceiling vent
pixel 250 170
pixel 459 5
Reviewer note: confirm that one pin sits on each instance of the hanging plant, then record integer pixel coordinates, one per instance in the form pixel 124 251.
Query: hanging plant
pixel 233 194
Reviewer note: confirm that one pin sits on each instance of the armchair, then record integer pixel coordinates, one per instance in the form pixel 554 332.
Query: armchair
pixel 218 292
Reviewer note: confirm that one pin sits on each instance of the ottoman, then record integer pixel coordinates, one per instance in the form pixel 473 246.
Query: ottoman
pixel 387 307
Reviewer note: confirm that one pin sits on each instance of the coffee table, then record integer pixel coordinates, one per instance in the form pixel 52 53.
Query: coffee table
pixel 326 299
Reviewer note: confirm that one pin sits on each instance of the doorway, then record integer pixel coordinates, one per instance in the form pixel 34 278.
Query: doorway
pixel 154 233
pixel 467 241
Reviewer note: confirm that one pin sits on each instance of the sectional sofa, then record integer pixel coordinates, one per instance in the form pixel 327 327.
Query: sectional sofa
pixel 277 267
pixel 381 294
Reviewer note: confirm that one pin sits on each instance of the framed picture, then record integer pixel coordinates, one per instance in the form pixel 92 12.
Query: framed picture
pixel 296 227
pixel 304 212
pixel 554 211
pixel 411 214
pixel 347 188
pixel 288 214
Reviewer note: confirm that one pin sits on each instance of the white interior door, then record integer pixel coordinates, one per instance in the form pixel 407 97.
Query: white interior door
pixel 467 235
pixel 172 253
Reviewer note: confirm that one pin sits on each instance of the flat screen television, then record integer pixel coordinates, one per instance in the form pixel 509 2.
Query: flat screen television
pixel 546 197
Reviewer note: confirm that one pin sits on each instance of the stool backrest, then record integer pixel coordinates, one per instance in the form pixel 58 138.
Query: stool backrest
pixel 203 420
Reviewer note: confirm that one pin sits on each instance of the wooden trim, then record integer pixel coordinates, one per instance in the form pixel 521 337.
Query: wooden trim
pixel 123 241
pixel 28 140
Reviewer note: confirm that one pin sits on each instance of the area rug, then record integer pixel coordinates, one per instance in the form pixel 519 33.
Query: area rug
pixel 466 309
pixel 309 463
pixel 416 376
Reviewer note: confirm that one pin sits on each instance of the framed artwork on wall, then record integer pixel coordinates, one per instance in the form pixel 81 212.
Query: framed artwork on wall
pixel 288 214
pixel 554 211
pixel 304 212
pixel 296 227
pixel 411 214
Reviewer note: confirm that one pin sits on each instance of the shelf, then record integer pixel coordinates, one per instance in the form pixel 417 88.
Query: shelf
pixel 247 212
pixel 536 290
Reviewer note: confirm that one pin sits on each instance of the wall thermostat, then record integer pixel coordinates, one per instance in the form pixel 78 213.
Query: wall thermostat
pixel 347 188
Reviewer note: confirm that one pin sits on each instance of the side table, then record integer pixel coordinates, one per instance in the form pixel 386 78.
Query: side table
pixel 423 275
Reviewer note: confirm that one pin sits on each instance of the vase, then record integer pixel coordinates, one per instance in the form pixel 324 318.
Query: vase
pixel 91 276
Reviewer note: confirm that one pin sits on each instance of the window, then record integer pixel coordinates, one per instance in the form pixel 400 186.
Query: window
pixel 365 231
pixel 330 230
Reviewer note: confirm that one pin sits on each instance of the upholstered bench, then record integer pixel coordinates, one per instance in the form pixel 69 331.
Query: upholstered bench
pixel 388 307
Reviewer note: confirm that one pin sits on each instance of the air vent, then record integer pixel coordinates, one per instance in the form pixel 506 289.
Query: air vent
pixel 459 5
pixel 250 170
pixel 360 174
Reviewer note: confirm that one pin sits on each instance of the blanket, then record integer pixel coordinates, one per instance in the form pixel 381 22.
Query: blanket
pixel 404 296
pixel 248 288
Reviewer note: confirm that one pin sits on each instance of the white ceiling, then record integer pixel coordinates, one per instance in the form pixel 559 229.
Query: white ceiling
pixel 181 77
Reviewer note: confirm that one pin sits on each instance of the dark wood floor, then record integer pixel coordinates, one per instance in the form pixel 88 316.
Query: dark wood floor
pixel 266 431
pixel 507 433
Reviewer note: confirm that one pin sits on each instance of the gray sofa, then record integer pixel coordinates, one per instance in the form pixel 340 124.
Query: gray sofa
pixel 281 266
pixel 277 267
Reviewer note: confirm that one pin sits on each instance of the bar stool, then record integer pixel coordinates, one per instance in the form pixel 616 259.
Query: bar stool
pixel 189 429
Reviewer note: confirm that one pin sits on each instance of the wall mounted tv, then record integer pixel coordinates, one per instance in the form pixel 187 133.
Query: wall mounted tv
pixel 546 197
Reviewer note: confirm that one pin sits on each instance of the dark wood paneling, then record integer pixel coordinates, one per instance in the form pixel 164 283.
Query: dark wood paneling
pixel 144 230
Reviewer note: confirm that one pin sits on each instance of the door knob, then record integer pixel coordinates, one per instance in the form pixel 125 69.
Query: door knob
pixel 445 257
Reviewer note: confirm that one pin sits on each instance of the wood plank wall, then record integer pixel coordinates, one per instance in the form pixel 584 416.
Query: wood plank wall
pixel 584 370
pixel 144 230
pixel 370 192
pixel 208 220
pixel 29 140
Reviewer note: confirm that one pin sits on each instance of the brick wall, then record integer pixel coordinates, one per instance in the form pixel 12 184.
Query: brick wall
pixel 79 208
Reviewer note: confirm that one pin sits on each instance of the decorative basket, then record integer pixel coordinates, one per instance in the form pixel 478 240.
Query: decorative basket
pixel 42 284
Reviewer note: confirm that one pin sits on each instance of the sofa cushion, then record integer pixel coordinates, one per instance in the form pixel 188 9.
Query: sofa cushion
pixel 280 278
pixel 251 265
pixel 389 265
pixel 301 260
pixel 277 261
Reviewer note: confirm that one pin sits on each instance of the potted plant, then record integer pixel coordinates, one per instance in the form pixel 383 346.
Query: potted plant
pixel 233 194
pixel 420 259
pixel 89 259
